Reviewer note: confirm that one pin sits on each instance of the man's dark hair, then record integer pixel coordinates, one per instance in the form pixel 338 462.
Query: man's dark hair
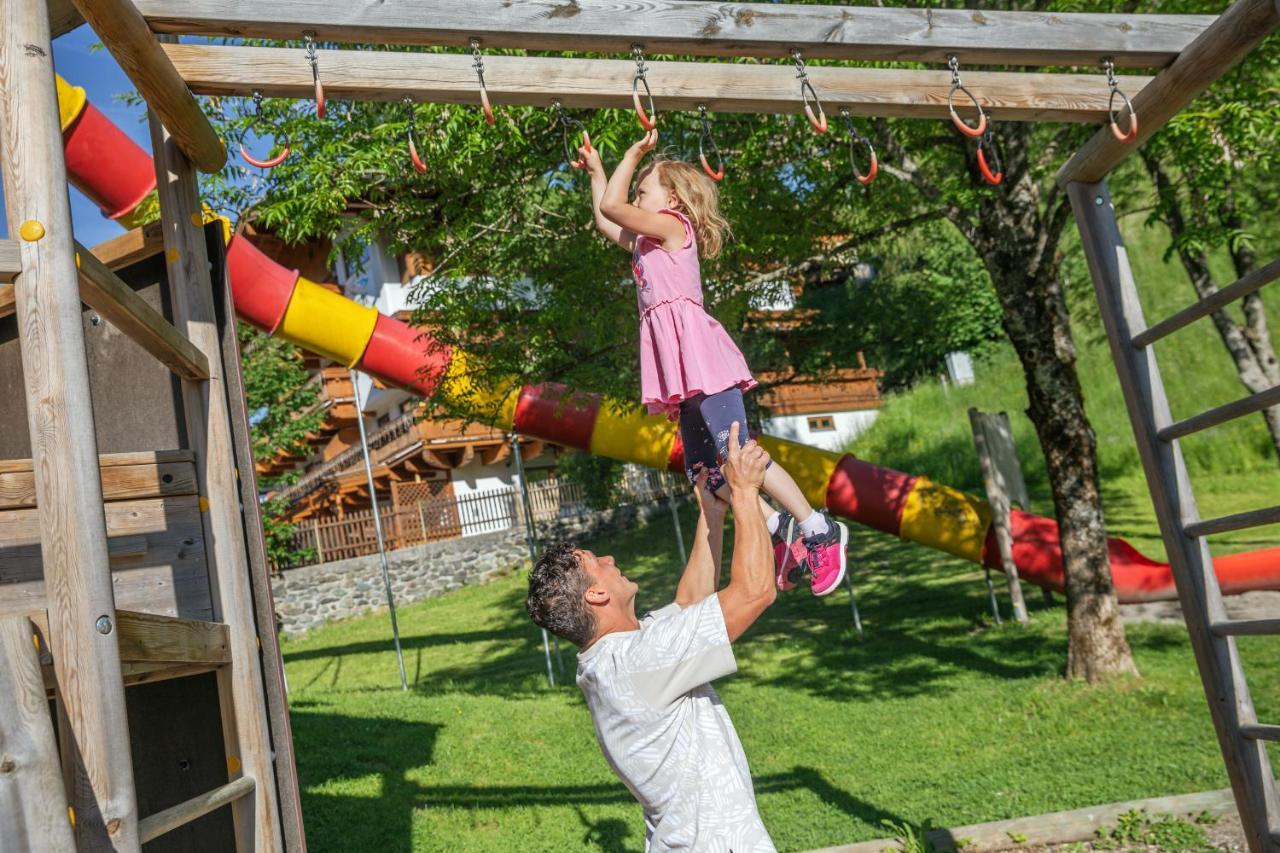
pixel 556 587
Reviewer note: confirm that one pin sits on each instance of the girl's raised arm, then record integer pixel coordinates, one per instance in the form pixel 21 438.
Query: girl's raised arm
pixel 589 160
pixel 615 207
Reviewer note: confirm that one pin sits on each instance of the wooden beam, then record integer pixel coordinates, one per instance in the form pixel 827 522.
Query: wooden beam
pixel 119 482
pixel 33 803
pixel 130 247
pixel 704 29
pixel 10 260
pixel 156 825
pixel 63 17
pixel 73 533
pixel 495 453
pixel 599 83
pixel 1213 53
pixel 244 714
pixel 8 300
pixel 148 638
pixel 126 36
pixel 103 291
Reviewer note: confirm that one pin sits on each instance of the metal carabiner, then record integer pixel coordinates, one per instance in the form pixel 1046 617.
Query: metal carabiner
pixel 650 120
pixel 417 161
pixel 478 64
pixel 974 131
pixel 855 137
pixel 808 96
pixel 988 141
pixel 705 140
pixel 309 38
pixel 257 121
pixel 1132 133
pixel 569 125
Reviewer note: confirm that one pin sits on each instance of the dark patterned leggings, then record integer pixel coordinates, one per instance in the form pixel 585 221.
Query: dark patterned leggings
pixel 704 432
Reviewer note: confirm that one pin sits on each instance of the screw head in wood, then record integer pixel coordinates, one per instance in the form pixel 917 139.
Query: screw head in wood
pixel 1097 201
pixel 103 624
pixel 31 230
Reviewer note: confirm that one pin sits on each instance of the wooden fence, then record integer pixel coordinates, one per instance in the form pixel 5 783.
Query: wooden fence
pixel 447 517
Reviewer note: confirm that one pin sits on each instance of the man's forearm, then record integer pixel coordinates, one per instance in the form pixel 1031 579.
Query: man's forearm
pixel 702 575
pixel 752 566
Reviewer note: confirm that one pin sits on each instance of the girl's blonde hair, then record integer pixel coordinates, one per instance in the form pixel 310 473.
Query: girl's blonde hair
pixel 697 198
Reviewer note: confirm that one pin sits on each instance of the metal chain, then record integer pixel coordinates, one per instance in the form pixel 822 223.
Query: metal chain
pixel 954 64
pixel 1110 65
pixel 309 39
pixel 477 59
pixel 801 72
pixel 637 53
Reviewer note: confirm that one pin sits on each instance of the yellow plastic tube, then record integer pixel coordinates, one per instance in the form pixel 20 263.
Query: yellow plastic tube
pixel 327 323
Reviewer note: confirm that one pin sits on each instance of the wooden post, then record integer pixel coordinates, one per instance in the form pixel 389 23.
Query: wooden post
pixel 315 531
pixel 64 453
pixel 208 423
pixel 33 807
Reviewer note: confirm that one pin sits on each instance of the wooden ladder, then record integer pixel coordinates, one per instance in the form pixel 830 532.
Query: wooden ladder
pixel 1241 736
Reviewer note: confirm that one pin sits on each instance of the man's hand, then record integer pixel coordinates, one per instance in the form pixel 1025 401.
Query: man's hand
pixel 712 504
pixel 744 469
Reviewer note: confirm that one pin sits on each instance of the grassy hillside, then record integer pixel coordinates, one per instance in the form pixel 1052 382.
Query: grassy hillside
pixel 926 430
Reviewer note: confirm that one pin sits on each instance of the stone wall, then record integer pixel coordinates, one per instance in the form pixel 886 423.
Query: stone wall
pixel 313 595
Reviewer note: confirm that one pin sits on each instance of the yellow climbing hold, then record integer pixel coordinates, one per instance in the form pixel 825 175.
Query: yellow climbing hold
pixel 233 764
pixel 77 260
pixel 31 230
pixel 197 220
pixel 71 815
pixel 172 255
pixel 204 504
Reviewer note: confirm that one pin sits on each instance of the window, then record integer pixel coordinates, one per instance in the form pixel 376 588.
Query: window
pixel 822 423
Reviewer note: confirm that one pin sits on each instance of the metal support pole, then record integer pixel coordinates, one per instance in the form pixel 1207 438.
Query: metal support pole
pixel 991 595
pixel 530 535
pixel 675 519
pixel 853 604
pixel 377 529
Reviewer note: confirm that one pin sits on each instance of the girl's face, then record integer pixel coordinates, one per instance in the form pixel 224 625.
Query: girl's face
pixel 651 195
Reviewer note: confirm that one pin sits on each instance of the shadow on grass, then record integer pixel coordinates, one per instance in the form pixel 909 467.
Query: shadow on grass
pixel 392 749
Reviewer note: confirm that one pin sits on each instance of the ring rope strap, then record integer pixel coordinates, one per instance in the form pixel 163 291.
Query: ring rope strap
pixel 972 131
pixel 258 121
pixel 707 141
pixel 809 97
pixel 478 64
pixel 647 120
pixel 1121 135
pixel 309 38
pixel 418 164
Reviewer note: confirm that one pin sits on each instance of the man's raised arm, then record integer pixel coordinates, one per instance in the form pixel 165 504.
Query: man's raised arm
pixel 752 587
pixel 702 575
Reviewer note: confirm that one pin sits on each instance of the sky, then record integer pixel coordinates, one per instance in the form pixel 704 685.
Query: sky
pixel 103 81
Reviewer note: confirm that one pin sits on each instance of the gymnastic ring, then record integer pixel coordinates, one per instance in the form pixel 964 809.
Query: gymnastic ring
pixel 650 120
pixel 1122 136
pixel 271 162
pixel 310 39
pixel 478 64
pixel 855 136
pixel 975 131
pixel 705 137
pixel 819 121
pixel 992 178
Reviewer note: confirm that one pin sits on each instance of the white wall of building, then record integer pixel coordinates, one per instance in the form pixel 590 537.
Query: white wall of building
pixel 848 426
pixel 475 477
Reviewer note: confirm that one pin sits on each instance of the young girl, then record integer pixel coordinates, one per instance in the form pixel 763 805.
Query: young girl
pixel 690 369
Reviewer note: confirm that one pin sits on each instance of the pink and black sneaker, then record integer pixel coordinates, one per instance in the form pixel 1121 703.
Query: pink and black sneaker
pixel 789 553
pixel 826 557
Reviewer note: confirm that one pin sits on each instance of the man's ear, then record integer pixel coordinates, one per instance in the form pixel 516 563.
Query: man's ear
pixel 596 596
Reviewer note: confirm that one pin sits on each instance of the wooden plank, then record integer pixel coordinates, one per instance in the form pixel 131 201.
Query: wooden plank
pixel 63 17
pixel 126 36
pixel 1218 49
pixel 10 260
pixel 149 638
pixel 8 300
pixel 33 804
pixel 103 291
pixel 156 558
pixel 1218 299
pixel 244 712
pixel 704 28
pixel 600 83
pixel 111 460
pixel 156 825
pixel 1218 660
pixel 130 247
pixel 1235 409
pixel 1237 521
pixel 119 483
pixel 72 527
pixel 1261 731
pixel 1246 627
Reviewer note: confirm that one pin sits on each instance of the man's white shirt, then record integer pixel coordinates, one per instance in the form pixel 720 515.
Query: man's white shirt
pixel 665 734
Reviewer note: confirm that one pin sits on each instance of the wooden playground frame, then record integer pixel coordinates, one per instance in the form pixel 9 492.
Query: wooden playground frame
pixel 46 275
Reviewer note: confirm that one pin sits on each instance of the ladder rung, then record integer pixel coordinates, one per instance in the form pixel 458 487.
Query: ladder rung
pixel 1260 731
pixel 1218 299
pixel 1239 521
pixel 1241 627
pixel 158 824
pixel 1237 409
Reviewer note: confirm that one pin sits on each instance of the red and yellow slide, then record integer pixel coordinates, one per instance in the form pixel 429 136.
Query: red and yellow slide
pixel 118 175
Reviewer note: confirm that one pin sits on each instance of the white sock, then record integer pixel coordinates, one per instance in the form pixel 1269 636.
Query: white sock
pixel 814 525
pixel 773 521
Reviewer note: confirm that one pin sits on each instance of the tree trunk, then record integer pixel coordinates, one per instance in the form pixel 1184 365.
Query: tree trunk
pixel 1250 345
pixel 1018 243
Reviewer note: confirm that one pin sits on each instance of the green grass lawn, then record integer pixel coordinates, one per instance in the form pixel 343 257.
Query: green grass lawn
pixel 935 715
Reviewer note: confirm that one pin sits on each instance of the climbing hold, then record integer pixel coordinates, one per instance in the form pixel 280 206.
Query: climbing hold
pixel 172 255
pixel 31 230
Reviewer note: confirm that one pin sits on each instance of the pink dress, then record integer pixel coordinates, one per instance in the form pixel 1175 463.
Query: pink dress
pixel 684 351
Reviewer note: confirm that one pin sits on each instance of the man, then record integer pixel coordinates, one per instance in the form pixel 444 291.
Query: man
pixel 647 682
